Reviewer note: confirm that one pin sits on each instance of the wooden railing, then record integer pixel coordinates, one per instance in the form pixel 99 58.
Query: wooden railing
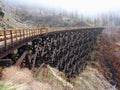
pixel 10 36
pixel 10 40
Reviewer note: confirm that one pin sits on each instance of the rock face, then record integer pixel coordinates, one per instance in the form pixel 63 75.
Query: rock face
pixel 21 16
pixel 1 12
pixel 6 19
pixel 41 17
pixel 1 4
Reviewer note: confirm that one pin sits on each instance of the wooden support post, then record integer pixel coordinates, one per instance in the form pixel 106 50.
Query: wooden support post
pixel 27 33
pixel 5 39
pixel 41 31
pixel 16 36
pixel 23 34
pixel 11 36
pixel 5 62
pixel 46 30
pixel 0 32
pixel 34 31
pixel 20 34
pixel 37 31
pixel 34 58
pixel 19 61
pixel 37 71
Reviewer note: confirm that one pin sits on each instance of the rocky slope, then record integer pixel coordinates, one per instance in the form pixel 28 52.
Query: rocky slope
pixel 31 17
pixel 6 20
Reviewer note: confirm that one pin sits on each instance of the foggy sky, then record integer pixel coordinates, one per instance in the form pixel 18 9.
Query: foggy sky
pixel 90 7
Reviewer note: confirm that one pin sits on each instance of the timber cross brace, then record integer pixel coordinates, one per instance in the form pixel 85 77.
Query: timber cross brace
pixel 67 50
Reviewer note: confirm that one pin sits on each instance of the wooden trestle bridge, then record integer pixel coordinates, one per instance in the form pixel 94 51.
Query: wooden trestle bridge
pixel 66 49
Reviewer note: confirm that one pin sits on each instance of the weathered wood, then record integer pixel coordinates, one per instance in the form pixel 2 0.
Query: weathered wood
pixel 37 71
pixel 5 39
pixel 16 35
pixel 11 36
pixel 61 49
pixel 20 34
pixel 34 58
pixel 19 61
pixel 5 62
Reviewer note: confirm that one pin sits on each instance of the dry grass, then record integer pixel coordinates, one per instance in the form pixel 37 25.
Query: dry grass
pixel 49 78
pixel 54 77
pixel 15 78
pixel 91 79
pixel 17 75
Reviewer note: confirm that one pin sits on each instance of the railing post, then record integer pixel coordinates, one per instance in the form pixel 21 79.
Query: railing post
pixel 37 31
pixel 34 31
pixel 23 34
pixel 16 36
pixel 5 39
pixel 27 33
pixel 46 30
pixel 0 32
pixel 11 36
pixel 41 31
pixel 20 34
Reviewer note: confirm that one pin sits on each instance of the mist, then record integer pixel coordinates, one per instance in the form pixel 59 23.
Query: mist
pixel 53 12
pixel 85 7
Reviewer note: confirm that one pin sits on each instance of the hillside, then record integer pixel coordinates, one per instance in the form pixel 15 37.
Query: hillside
pixel 100 74
pixel 31 17
pixel 49 78
pixel 7 21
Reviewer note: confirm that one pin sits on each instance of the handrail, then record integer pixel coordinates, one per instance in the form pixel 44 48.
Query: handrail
pixel 10 36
